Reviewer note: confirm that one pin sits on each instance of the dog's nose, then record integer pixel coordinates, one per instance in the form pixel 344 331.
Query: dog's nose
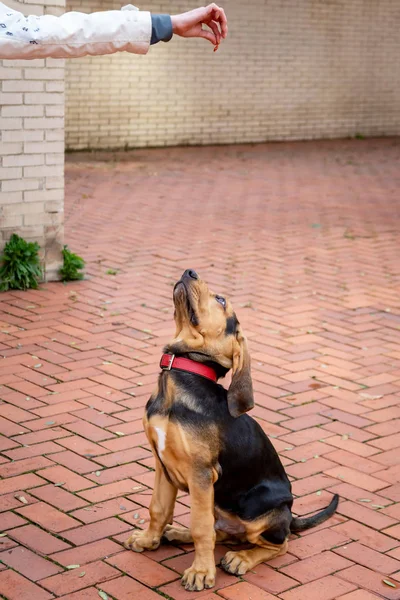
pixel 190 273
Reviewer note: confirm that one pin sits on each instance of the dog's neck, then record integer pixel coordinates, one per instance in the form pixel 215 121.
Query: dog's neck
pixel 200 358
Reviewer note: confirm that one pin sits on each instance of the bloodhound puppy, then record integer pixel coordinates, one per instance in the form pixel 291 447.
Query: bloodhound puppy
pixel 204 444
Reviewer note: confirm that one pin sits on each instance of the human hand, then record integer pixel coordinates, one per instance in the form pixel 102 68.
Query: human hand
pixel 190 24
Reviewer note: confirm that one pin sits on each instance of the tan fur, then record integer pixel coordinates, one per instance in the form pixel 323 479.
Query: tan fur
pixel 238 563
pixel 161 511
pixel 246 531
pixel 212 320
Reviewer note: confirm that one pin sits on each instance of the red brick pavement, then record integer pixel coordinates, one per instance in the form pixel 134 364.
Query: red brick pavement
pixel 304 238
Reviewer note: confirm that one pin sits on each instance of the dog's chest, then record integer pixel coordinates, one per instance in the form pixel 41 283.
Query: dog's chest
pixel 169 447
pixel 157 431
pixel 159 440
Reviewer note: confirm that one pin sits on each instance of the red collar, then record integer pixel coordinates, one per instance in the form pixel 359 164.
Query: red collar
pixel 170 361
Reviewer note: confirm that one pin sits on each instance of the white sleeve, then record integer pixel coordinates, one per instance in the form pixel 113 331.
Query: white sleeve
pixel 73 34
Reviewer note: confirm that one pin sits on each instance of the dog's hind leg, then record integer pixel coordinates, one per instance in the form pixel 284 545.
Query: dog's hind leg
pixel 238 563
pixel 184 535
pixel 270 536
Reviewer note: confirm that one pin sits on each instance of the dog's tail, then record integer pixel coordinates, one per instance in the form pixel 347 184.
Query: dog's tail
pixel 302 523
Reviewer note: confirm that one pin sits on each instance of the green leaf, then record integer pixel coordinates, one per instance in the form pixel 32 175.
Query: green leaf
pixel 72 265
pixel 19 265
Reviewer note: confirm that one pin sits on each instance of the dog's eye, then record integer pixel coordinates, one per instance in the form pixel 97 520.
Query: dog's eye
pixel 221 300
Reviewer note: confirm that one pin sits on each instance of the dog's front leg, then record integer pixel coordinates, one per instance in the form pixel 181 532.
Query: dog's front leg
pixel 161 513
pixel 202 572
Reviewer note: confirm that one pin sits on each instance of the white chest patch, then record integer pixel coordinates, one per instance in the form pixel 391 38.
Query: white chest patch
pixel 161 436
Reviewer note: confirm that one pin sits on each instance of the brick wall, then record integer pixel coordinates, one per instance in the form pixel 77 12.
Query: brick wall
pixel 289 70
pixel 32 148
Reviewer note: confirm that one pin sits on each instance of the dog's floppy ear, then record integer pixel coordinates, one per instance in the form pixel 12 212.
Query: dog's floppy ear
pixel 240 393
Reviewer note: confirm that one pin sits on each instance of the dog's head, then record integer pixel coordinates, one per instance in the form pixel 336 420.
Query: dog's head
pixel 208 330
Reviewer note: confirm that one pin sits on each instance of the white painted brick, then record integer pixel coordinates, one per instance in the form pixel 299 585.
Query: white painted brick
pixel 22 86
pixel 35 8
pixel 31 234
pixel 27 88
pixel 10 98
pixel 20 185
pixel 55 182
pixel 43 219
pixel 46 171
pixel 8 198
pixel 43 74
pixel 9 123
pixel 56 63
pixel 54 206
pixel 54 111
pixel 39 147
pixel 22 111
pixel 23 136
pixel 43 98
pixel 9 148
pixel 52 4
pixel 55 86
pixel 9 73
pixel 43 195
pixel 11 221
pixel 55 135
pixel 22 208
pixel 10 173
pixel 55 159
pixel 23 160
pixel 23 63
pixel 44 123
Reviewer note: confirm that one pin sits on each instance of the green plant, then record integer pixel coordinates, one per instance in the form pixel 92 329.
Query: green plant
pixel 73 264
pixel 20 265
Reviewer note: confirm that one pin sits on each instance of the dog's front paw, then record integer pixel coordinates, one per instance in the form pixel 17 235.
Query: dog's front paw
pixel 236 563
pixel 142 540
pixel 196 580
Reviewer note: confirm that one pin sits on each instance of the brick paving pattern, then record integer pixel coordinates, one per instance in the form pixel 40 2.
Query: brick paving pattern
pixel 304 238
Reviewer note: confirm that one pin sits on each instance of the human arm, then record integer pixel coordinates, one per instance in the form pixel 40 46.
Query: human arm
pixel 76 34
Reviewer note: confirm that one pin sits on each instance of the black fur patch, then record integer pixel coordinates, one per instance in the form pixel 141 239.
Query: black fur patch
pixel 156 404
pixel 231 325
pixel 277 535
